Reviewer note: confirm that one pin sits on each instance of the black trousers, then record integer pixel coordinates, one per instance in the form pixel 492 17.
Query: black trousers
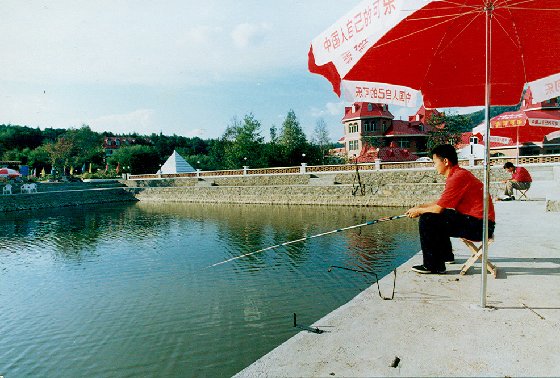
pixel 437 229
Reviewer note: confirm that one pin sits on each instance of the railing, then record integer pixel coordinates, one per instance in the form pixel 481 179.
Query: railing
pixel 378 165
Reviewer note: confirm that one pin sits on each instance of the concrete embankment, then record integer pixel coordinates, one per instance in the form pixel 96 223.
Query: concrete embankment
pixel 371 188
pixel 435 325
pixel 50 199
pixel 397 187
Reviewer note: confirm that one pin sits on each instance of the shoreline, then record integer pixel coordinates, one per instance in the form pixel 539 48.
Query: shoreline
pixel 386 188
pixel 441 330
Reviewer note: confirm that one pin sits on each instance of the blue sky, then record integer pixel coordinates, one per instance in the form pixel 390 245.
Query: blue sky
pixel 179 67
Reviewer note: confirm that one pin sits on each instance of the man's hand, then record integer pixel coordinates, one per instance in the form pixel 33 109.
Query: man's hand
pixel 413 212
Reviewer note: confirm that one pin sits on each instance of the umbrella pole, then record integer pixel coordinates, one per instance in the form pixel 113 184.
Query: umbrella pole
pixel 486 198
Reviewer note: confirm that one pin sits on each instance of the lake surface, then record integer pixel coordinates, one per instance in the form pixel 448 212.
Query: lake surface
pixel 123 290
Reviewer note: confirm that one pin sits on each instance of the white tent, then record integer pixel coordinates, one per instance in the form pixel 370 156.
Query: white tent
pixel 176 164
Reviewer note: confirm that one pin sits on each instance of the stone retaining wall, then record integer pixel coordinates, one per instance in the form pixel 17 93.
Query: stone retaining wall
pixel 264 180
pixel 378 188
pixel 382 195
pixel 421 175
pixel 375 188
pixel 63 186
pixel 50 199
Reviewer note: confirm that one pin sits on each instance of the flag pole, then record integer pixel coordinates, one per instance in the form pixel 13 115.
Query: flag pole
pixel 486 198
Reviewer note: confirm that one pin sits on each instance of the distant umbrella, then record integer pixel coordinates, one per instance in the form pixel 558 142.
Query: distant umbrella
pixel 9 173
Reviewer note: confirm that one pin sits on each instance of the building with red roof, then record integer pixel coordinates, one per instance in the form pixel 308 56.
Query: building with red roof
pixel 111 144
pixel 371 132
pixel 531 130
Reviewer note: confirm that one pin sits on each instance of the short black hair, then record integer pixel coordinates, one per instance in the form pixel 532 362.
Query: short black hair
pixel 446 151
pixel 509 164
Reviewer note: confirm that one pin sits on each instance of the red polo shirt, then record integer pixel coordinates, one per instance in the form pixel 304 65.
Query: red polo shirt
pixel 464 193
pixel 520 174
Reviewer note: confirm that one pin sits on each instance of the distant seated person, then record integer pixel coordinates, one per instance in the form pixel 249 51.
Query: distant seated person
pixel 520 180
pixel 457 213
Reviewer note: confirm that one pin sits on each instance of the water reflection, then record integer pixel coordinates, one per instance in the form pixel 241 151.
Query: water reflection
pixel 122 289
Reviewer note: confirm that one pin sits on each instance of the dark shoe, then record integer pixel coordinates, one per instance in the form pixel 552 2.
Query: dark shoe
pixel 512 198
pixel 450 259
pixel 507 199
pixel 423 270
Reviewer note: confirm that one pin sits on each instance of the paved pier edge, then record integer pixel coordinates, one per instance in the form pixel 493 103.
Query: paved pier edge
pixel 435 325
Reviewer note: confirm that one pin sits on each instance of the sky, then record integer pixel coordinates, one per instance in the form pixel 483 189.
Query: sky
pixel 172 66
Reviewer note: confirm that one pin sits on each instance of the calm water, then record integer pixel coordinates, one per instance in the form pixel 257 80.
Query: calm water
pixel 121 290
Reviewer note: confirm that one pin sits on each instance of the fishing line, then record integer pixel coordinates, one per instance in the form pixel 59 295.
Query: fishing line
pixel 376 279
pixel 384 219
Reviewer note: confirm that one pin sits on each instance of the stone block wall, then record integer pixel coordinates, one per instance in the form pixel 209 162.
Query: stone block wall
pixel 260 180
pixel 51 199
pixel 378 188
pixel 403 194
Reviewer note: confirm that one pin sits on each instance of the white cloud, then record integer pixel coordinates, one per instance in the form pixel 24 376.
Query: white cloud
pixel 245 35
pixel 335 108
pixel 140 121
pixel 330 109
pixel 173 42
pixel 195 132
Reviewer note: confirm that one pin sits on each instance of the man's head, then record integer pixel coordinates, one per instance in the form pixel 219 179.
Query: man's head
pixel 445 157
pixel 509 167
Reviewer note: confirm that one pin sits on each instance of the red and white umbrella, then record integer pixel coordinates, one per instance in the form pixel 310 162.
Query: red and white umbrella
pixel 390 51
pixel 453 52
pixel 9 173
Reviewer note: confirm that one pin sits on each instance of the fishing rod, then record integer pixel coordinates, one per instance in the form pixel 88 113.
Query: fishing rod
pixel 384 219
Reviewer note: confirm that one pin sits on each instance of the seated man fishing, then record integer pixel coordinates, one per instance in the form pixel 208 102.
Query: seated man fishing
pixel 457 213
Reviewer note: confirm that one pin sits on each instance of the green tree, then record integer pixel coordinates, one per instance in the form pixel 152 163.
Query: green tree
pixel 139 159
pixel 60 153
pixel 243 143
pixel 321 138
pixel 202 162
pixel 86 146
pixel 13 137
pixel 216 151
pixel 38 158
pixel 446 129
pixel 273 134
pixel 292 139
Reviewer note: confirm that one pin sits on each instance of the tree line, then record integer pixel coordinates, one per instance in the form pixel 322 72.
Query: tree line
pixel 80 150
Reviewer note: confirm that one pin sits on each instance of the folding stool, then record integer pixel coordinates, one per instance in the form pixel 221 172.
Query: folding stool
pixel 476 254
pixel 523 194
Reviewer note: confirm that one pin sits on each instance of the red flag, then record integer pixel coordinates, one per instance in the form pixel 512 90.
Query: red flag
pixel 118 167
pixel 106 167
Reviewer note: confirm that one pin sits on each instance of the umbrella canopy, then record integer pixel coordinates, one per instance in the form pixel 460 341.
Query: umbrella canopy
pixel 9 173
pixel 389 51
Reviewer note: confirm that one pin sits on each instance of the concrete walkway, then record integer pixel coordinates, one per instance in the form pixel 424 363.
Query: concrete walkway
pixel 435 325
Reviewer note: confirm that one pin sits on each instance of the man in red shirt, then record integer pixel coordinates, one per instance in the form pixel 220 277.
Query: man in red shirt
pixel 520 180
pixel 457 213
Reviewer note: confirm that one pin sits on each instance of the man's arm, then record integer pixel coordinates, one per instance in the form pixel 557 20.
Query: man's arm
pixel 416 211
